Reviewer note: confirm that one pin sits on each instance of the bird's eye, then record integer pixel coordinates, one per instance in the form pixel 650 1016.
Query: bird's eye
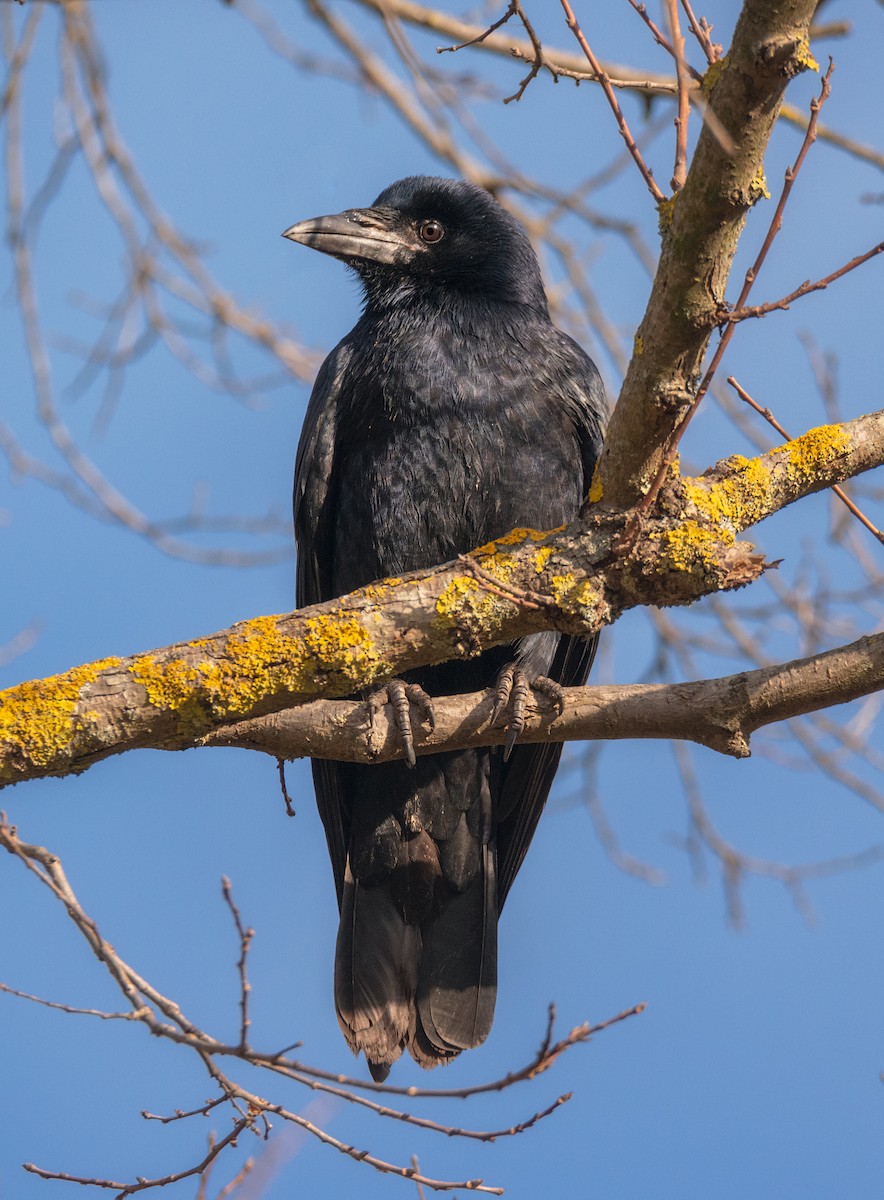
pixel 431 232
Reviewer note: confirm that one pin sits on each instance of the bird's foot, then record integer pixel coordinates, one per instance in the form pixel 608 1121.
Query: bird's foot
pixel 511 695
pixel 401 697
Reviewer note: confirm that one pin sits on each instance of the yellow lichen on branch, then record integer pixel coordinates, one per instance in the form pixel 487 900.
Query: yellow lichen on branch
pixel 740 492
pixel 734 502
pixel 38 718
pixel 182 691
pixel 814 449
pixel 574 579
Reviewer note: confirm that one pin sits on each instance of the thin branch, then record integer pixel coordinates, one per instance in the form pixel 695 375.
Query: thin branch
pixel 743 312
pixel 702 31
pixel 539 59
pixel 718 713
pixel 250 1108
pixel 179 1115
pixel 245 941
pixel 736 864
pixel 679 174
pixel 141 1185
pixel 132 1015
pixel 286 798
pixel 480 37
pixel 825 133
pixel 660 37
pixel 605 83
pixel 561 63
pixel 547 1054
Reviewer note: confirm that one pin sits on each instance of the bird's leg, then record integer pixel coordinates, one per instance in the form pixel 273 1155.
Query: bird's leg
pixel 401 696
pixel 511 694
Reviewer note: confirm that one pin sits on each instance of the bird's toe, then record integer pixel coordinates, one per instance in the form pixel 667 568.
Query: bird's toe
pixel 511 693
pixel 402 697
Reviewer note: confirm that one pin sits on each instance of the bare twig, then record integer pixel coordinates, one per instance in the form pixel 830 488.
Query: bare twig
pixel 141 1185
pixel 744 312
pixel 287 800
pixel 661 40
pixel 603 79
pixel 250 1109
pixel 539 59
pixel 480 37
pixel 702 31
pixel 680 171
pixel 245 941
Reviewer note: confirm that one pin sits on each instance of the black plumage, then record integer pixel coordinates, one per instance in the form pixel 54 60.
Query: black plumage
pixel 453 412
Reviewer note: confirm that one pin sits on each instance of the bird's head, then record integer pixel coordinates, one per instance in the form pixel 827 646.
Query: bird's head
pixel 431 235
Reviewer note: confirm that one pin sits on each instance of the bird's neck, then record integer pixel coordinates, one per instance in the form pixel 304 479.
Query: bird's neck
pixel 423 304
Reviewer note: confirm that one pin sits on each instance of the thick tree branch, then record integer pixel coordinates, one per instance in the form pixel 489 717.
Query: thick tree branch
pixel 718 713
pixel 702 226
pixel 574 580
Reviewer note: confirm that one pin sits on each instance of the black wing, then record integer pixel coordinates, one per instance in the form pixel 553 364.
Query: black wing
pixel 531 769
pixel 529 773
pixel 314 497
pixel 314 505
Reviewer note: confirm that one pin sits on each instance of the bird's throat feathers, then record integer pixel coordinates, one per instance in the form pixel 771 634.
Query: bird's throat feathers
pixel 421 301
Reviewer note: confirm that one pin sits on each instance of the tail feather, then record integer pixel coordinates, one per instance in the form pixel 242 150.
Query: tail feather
pixel 376 964
pixel 416 961
pixel 457 985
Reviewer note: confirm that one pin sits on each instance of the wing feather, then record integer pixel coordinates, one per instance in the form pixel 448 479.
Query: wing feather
pixel 529 773
pixel 314 504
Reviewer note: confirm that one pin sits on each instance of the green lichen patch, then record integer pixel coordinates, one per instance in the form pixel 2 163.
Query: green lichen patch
pixel 665 212
pixel 39 718
pixel 712 76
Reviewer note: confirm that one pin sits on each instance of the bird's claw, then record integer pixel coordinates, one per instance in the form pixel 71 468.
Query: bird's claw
pixel 511 693
pixel 401 696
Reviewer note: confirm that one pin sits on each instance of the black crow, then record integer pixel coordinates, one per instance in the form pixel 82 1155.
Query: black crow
pixel 453 412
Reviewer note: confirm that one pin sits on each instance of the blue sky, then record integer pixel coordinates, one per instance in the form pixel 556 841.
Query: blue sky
pixel 755 1068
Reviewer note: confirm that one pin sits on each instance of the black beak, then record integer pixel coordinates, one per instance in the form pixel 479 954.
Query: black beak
pixel 366 233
